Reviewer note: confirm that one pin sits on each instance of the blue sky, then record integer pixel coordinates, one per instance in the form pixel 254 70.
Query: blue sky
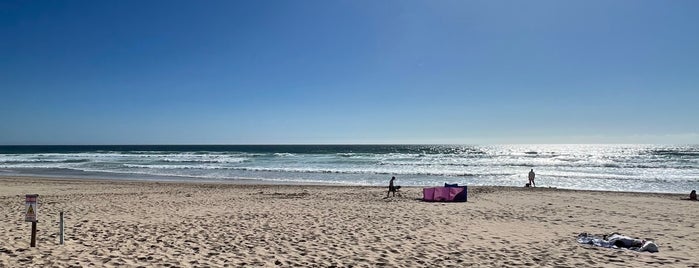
pixel 251 72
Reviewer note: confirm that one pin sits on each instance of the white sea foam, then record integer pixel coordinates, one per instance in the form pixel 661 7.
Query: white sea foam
pixel 610 167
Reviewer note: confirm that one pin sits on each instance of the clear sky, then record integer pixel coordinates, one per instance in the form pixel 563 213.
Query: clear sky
pixel 359 71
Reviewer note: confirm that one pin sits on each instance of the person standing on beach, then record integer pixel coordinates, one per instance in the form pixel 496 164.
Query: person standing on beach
pixel 391 187
pixel 531 178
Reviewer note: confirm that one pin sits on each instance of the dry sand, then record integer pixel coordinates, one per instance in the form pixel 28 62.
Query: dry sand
pixel 148 224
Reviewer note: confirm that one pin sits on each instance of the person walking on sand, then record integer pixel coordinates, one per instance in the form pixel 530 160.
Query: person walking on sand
pixel 531 178
pixel 391 187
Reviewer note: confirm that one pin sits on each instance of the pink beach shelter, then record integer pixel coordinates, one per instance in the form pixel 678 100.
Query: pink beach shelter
pixel 445 194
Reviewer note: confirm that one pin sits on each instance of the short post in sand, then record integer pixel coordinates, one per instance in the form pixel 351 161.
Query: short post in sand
pixel 31 201
pixel 60 229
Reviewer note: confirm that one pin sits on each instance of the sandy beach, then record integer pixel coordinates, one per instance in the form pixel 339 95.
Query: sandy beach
pixel 159 224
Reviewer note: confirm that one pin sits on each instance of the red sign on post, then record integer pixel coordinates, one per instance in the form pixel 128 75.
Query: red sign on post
pixel 31 207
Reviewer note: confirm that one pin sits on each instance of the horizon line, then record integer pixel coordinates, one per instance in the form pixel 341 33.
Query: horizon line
pixel 335 144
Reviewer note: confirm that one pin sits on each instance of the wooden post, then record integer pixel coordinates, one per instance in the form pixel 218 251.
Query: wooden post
pixel 31 203
pixel 60 229
pixel 33 242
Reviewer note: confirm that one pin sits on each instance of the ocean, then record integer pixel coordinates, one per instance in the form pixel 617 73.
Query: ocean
pixel 637 168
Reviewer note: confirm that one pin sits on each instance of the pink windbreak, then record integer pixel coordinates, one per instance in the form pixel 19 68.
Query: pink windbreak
pixel 445 194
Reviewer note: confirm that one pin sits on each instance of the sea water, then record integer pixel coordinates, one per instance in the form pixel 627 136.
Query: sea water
pixel 639 168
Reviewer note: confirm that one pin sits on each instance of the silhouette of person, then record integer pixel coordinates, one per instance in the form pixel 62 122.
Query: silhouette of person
pixel 693 195
pixel 531 177
pixel 391 187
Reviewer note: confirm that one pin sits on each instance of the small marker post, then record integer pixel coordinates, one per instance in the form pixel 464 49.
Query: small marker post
pixel 60 229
